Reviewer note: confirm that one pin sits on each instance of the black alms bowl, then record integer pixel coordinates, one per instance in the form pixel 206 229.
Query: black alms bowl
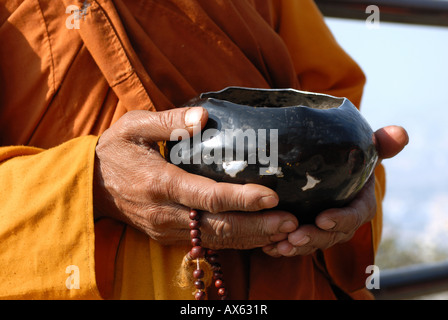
pixel 316 151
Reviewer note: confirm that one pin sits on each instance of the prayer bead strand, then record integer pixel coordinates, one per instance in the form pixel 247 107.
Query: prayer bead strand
pixel 197 252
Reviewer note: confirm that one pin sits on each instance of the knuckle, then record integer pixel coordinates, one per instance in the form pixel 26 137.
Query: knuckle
pixel 156 191
pixel 156 222
pixel 168 119
pixel 223 228
pixel 165 184
pixel 245 199
pixel 226 234
pixel 165 226
pixel 126 123
pixel 212 200
pixel 261 227
pixel 124 120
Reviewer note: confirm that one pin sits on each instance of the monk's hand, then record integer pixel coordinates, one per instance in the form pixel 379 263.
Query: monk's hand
pixel 134 184
pixel 339 225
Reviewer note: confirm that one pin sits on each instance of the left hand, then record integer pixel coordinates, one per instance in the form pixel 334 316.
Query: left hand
pixel 339 225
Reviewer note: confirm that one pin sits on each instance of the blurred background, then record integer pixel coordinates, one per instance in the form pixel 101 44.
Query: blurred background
pixel 404 56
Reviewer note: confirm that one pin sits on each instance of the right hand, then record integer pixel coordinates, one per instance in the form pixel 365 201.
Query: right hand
pixel 134 184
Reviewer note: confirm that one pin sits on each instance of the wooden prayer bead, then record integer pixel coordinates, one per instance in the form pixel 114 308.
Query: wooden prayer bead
pixel 213 259
pixel 217 275
pixel 219 283
pixel 199 295
pixel 222 292
pixel 195 242
pixel 196 252
pixel 194 215
pixel 199 284
pixel 194 224
pixel 198 274
pixel 195 233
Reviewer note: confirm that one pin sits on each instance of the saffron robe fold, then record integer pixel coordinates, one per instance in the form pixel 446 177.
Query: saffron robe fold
pixel 61 87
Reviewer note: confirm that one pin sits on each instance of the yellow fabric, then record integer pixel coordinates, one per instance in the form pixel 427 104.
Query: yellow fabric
pixel 47 221
pixel 46 202
pixel 155 271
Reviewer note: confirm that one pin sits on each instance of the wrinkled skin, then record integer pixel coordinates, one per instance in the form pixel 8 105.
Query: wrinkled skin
pixel 134 184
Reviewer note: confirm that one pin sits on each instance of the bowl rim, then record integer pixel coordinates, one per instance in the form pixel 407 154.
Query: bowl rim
pixel 309 99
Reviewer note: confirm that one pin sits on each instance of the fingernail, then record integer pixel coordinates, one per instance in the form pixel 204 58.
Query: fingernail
pixel 272 251
pixel 327 224
pixel 193 116
pixel 287 226
pixel 268 202
pixel 300 241
pixel 303 241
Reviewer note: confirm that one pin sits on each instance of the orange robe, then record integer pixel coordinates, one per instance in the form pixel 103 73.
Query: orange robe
pixel 61 87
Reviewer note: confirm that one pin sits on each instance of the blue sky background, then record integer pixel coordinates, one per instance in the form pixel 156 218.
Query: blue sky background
pixel 407 84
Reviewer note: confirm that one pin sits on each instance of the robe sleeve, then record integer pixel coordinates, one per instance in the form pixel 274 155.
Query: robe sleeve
pixel 323 66
pixel 46 221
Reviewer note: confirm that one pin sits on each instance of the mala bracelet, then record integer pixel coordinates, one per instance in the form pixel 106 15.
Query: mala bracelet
pixel 197 252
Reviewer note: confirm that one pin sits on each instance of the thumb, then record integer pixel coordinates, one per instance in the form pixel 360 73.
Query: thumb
pixel 390 141
pixel 146 126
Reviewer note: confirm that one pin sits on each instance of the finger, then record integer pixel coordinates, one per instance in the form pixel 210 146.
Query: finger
pixel 305 240
pixel 332 226
pixel 347 219
pixel 309 236
pixel 286 249
pixel 239 230
pixel 147 126
pixel 390 141
pixel 202 193
pixel 231 230
pixel 272 251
